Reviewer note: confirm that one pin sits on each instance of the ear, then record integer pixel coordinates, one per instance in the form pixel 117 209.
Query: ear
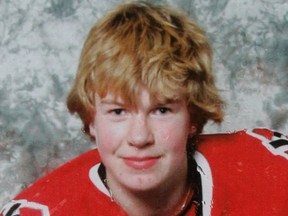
pixel 92 130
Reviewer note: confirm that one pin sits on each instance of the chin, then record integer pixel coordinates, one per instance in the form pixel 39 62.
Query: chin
pixel 143 183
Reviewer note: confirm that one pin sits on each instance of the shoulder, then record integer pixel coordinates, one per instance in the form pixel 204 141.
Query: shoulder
pixel 257 152
pixel 62 188
pixel 264 142
pixel 76 169
pixel 248 167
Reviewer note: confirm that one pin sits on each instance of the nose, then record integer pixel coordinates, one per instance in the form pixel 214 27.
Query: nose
pixel 140 133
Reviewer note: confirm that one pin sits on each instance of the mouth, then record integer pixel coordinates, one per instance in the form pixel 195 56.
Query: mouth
pixel 140 163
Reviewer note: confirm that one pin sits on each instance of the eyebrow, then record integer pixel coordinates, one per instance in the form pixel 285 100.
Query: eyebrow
pixel 167 101
pixel 111 102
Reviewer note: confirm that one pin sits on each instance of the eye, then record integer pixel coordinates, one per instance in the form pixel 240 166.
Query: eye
pixel 163 110
pixel 117 111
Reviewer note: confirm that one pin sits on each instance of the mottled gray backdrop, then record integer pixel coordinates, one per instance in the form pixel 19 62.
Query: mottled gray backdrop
pixel 40 43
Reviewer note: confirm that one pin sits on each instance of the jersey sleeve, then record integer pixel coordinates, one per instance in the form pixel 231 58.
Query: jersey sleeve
pixel 274 141
pixel 64 191
pixel 249 172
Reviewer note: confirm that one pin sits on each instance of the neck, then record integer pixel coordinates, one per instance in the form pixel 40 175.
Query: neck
pixel 167 200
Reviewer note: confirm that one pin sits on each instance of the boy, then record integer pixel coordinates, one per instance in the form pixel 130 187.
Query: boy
pixel 144 91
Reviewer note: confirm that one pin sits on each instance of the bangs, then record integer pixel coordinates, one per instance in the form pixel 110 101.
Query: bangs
pixel 161 84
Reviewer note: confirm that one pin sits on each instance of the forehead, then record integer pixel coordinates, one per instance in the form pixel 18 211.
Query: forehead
pixel 140 95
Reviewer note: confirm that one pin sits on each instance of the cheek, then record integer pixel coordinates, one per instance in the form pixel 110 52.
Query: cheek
pixel 104 136
pixel 108 138
pixel 174 137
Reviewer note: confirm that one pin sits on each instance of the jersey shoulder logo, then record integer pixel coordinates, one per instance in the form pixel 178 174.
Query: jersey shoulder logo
pixel 277 143
pixel 24 208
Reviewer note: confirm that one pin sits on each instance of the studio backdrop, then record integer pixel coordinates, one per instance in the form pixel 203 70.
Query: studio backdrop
pixel 40 44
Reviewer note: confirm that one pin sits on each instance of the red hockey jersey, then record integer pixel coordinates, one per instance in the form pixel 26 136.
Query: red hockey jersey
pixel 242 173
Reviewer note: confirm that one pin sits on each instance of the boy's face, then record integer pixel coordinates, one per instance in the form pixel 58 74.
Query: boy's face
pixel 143 147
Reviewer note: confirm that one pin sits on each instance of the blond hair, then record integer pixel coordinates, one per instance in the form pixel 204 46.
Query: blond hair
pixel 144 44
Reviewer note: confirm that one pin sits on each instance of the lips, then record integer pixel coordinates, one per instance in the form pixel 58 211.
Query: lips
pixel 140 163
